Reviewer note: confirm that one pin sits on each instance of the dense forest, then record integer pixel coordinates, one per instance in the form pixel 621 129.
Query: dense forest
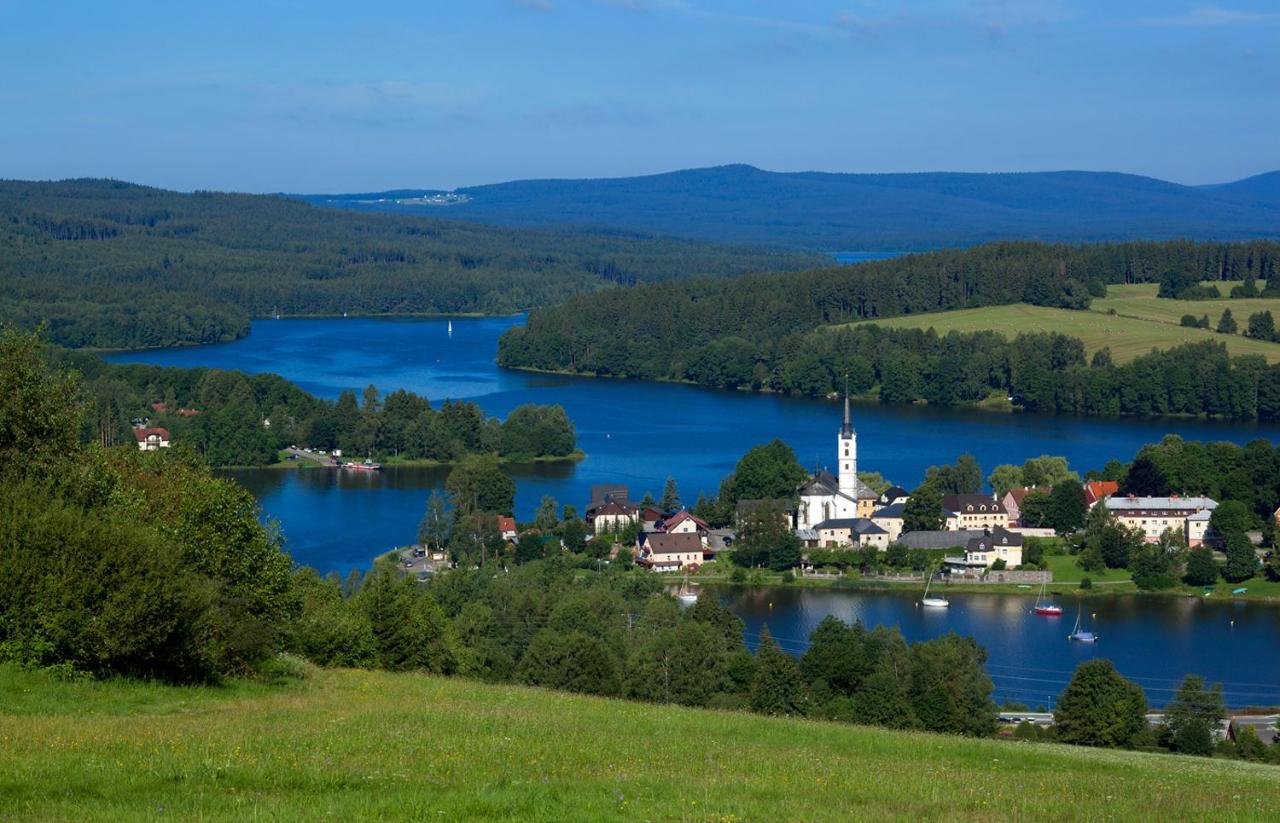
pixel 113 265
pixel 886 212
pixel 235 419
pixel 772 331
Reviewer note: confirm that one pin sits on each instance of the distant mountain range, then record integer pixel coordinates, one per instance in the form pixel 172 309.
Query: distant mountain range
pixel 838 212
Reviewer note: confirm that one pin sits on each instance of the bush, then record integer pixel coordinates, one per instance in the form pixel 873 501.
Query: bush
pixel 739 575
pixel 788 577
pixel 1086 583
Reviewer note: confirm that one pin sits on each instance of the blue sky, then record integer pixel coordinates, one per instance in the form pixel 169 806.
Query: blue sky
pixel 342 96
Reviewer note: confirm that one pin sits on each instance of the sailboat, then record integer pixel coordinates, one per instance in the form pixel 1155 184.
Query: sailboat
pixel 685 596
pixel 450 329
pixel 935 602
pixel 1078 634
pixel 1045 607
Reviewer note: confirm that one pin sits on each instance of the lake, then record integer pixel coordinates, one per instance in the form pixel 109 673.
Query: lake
pixel 633 432
pixel 1152 640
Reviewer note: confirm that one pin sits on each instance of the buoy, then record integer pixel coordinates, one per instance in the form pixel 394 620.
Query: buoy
pixel 771 604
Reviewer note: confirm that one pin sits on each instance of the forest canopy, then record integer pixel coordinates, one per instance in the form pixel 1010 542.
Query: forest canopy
pixel 108 264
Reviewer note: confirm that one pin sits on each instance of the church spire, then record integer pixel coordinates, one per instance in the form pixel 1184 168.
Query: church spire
pixel 847 429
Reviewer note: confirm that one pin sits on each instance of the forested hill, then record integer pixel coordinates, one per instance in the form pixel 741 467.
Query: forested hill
pixel 114 265
pixel 772 331
pixel 895 212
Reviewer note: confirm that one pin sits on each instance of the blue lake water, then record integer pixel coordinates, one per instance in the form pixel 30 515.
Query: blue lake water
pixel 640 433
pixel 633 432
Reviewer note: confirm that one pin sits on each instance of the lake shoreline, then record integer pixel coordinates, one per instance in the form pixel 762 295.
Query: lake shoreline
pixel 1065 589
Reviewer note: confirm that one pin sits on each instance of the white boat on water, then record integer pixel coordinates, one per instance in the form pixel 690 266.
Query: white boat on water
pixel 933 602
pixel 685 596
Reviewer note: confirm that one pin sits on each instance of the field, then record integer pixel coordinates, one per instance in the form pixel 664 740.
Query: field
pixel 362 744
pixel 1142 322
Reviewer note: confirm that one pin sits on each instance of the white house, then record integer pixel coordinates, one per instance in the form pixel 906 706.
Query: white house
pixel 973 511
pixel 662 552
pixel 151 439
pixel 1153 515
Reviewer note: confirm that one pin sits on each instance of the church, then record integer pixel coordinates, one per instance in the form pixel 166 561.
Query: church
pixel 839 497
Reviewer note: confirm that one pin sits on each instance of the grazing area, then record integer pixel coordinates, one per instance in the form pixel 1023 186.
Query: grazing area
pixel 373 744
pixel 1140 300
pixel 1128 334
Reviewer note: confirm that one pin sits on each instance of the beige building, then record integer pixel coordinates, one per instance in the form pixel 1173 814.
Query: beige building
pixel 670 552
pixel 998 544
pixel 889 518
pixel 973 511
pixel 853 532
pixel 613 517
pixel 1154 515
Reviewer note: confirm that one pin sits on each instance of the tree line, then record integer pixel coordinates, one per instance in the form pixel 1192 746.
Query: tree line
pixel 245 420
pixel 771 332
pixel 108 264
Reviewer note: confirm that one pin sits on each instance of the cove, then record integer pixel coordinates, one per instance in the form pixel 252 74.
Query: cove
pixel 1154 640
pixel 633 432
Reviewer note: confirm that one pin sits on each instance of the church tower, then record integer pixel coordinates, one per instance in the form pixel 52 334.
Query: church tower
pixel 847 446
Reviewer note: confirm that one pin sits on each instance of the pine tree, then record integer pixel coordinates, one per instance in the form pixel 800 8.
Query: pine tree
pixel 778 687
pixel 1242 560
pixel 1227 323
pixel 670 496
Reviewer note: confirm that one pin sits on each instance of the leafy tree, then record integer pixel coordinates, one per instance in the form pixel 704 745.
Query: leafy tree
pixel 39 407
pixel 1100 708
pixel 1192 716
pixel 1202 569
pixel 923 510
pixel 433 530
pixel 573 662
pixel 1036 510
pixel 529 548
pixel 479 484
pixel 1231 517
pixel 950 692
pixel 574 534
pixel 1145 478
pixel 964 477
pixel 1153 567
pixel 1248 745
pixel 1067 506
pixel 1004 478
pixel 547 516
pixel 770 471
pixel 1242 560
pixel 778 687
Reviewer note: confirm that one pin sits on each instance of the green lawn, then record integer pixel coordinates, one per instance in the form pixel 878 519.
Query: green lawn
pixel 374 745
pixel 1142 322
pixel 1067 571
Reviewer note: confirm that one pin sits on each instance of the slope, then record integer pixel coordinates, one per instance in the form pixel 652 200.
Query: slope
pixel 818 210
pixel 362 744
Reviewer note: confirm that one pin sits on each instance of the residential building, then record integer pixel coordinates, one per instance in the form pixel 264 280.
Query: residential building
pixel 852 532
pixel 1012 501
pixel 1155 515
pixel 151 439
pixel 649 519
pixel 682 522
pixel 973 511
pixel 507 528
pixel 993 545
pixel 892 495
pixel 889 518
pixel 662 552
pixel 937 539
pixel 612 517
pixel 1264 725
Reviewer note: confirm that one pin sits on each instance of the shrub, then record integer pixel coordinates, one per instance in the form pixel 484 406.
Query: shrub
pixel 1086 583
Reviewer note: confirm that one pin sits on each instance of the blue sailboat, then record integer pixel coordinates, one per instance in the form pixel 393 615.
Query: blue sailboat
pixel 1080 635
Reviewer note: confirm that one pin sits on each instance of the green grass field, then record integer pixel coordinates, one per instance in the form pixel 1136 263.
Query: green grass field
pixel 351 744
pixel 1142 322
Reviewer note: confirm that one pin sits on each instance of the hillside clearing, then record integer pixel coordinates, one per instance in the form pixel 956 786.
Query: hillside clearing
pixel 1127 334
pixel 368 744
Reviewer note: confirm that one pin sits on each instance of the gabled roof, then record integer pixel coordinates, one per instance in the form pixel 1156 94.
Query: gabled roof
pixel 613 507
pixel 679 517
pixel 506 524
pixel 996 538
pixel 142 434
pixel 826 484
pixel 893 493
pixel 938 539
pixel 890 511
pixel 663 543
pixel 652 515
pixel 972 504
pixel 1096 490
pixel 858 525
pixel 1020 493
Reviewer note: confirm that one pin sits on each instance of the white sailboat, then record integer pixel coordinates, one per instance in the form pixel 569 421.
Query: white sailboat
pixel 450 330
pixel 933 602
pixel 1079 635
pixel 686 597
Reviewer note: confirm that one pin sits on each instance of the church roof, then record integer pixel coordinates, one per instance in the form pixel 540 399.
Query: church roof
pixel 826 484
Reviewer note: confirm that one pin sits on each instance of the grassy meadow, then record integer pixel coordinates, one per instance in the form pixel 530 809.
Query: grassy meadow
pixel 1141 322
pixel 352 744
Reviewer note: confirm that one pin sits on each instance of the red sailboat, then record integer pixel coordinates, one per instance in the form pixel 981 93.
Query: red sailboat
pixel 1044 607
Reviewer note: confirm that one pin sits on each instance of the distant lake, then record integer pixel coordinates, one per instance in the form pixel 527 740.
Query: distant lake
pixel 633 432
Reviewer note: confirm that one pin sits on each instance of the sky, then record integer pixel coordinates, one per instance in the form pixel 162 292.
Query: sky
pixel 298 96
